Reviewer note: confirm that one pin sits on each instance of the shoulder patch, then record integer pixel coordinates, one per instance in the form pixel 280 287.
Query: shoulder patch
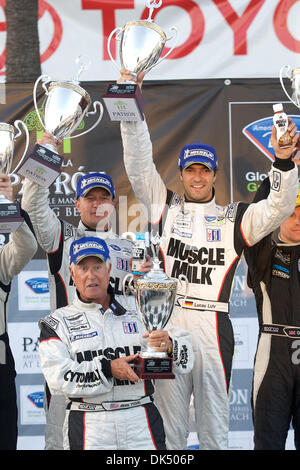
pixel 50 321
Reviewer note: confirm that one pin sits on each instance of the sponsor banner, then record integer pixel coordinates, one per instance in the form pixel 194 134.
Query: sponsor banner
pixel 242 301
pixel 227 39
pixel 245 340
pixel 31 405
pixel 240 400
pixel 33 289
pixel 24 343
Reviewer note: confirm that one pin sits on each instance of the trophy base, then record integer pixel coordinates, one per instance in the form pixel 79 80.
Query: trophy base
pixel 154 367
pixel 124 102
pixel 42 165
pixel 10 217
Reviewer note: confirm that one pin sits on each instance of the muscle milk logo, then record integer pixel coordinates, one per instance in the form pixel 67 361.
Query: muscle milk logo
pixel 259 133
pixel 39 285
pixel 195 263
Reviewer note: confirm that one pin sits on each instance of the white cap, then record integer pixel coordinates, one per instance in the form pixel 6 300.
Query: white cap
pixel 277 108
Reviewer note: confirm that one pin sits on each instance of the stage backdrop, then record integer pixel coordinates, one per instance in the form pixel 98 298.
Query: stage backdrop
pixel 216 38
pixel 235 116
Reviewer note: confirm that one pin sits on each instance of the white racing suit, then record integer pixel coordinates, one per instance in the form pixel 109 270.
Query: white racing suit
pixel 77 343
pixel 55 237
pixel 13 258
pixel 204 241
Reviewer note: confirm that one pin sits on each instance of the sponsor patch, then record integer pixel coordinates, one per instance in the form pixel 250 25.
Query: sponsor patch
pixel 284 257
pixel 83 336
pixel 77 322
pixel 180 233
pixel 115 247
pixel 280 271
pixel 122 264
pixel 213 235
pixel 213 220
pixel 130 327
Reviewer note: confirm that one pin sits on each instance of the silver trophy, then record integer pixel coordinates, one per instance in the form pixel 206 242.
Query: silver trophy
pixel 155 295
pixel 141 43
pixel 294 76
pixel 66 104
pixel 10 217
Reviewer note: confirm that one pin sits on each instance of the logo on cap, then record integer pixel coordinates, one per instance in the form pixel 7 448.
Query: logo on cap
pixel 88 246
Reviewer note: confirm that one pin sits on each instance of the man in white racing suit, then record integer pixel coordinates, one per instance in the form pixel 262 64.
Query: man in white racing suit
pixel 86 349
pixel 204 241
pixel 13 258
pixel 95 200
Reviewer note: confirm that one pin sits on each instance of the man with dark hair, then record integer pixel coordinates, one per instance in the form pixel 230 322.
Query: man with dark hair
pixel 204 241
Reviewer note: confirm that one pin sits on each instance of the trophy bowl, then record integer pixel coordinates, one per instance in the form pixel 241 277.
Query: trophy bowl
pixel 65 108
pixel 155 298
pixel 141 45
pixel 67 103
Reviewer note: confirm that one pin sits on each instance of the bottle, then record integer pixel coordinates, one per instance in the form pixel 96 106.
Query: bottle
pixel 138 253
pixel 281 123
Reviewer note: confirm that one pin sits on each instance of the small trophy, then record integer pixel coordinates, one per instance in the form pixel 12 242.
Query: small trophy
pixel 141 45
pixel 66 105
pixel 10 217
pixel 294 76
pixel 155 295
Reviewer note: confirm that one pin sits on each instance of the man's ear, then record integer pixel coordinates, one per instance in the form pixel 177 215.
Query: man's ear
pixel 77 204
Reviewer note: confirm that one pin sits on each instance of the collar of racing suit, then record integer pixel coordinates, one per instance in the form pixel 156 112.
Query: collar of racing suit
pixel 114 305
pixel 106 233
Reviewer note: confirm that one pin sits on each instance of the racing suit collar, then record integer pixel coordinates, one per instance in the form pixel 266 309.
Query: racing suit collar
pixel 114 305
pixel 105 234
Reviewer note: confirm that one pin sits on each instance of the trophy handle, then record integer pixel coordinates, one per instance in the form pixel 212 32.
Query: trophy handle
pixel 18 123
pixel 286 68
pixel 108 45
pixel 90 114
pixel 182 277
pixel 46 79
pixel 169 52
pixel 131 288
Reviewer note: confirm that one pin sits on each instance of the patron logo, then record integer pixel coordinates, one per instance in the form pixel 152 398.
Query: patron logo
pixel 259 133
